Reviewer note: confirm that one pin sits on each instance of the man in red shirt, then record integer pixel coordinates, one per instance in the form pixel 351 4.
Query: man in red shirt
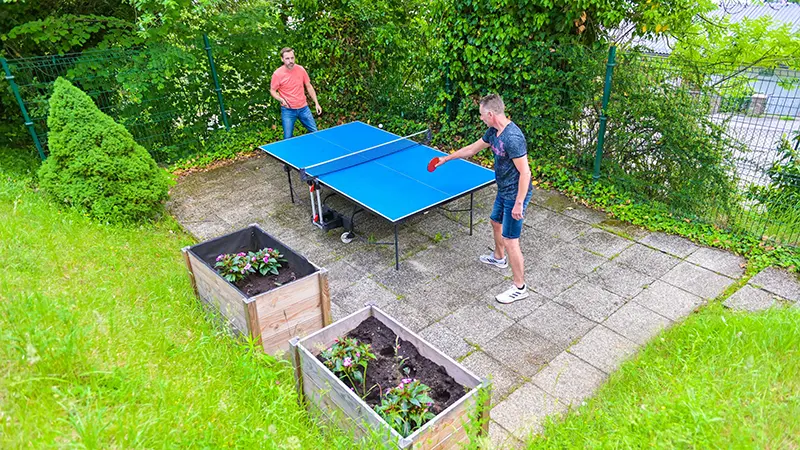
pixel 287 87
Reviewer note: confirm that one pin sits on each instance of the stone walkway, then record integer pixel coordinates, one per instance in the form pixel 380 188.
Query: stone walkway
pixel 599 288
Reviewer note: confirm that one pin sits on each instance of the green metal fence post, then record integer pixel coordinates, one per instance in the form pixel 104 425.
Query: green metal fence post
pixel 216 82
pixel 28 122
pixel 601 133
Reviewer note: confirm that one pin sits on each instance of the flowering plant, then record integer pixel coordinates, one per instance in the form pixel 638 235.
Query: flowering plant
pixel 266 260
pixel 348 359
pixel 406 406
pixel 235 266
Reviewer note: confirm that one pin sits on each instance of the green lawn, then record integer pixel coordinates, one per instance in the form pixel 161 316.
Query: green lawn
pixel 103 344
pixel 719 380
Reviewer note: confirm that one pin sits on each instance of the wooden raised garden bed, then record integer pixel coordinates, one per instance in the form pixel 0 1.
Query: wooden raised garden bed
pixel 299 305
pixel 328 397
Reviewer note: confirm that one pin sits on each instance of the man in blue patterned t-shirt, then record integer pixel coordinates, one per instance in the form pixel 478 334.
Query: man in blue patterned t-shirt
pixel 514 191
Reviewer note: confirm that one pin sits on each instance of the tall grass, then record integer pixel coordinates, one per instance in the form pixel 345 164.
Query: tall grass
pixel 103 344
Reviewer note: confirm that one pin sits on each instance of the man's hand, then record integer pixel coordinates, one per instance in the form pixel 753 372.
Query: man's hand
pixel 284 103
pixel 319 109
pixel 442 160
pixel 516 212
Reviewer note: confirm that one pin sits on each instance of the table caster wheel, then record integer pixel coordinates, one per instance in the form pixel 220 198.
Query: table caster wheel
pixel 347 237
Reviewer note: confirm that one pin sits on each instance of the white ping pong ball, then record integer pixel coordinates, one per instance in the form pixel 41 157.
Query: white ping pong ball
pixel 380 125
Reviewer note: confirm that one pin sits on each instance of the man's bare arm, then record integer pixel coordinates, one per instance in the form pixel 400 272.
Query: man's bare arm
pixel 313 95
pixel 465 152
pixel 278 97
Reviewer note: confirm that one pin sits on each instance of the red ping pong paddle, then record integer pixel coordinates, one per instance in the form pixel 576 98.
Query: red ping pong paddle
pixel 432 164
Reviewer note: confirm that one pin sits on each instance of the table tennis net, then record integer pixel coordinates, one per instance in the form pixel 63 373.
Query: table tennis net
pixel 366 155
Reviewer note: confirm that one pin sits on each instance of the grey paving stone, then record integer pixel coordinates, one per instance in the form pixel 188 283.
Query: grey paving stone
pixel 624 229
pixel 412 273
pixel 646 260
pixel 543 196
pixel 353 297
pixel 503 379
pixel 342 275
pixel 536 215
pixel 697 280
pixel 585 214
pixel 536 245
pixel 668 243
pixel 446 340
pixel 524 411
pixel 604 349
pixel 778 282
pixel 473 273
pixel 477 323
pixel 719 261
pixel 501 439
pixel 602 242
pixel 548 280
pixel 336 311
pixel 518 309
pixel 590 301
pixel 207 229
pixel 370 259
pixel 569 379
pixel 573 258
pixel 637 323
pixel 440 298
pixel 522 350
pixel 619 279
pixel 409 315
pixel 557 324
pixel 669 301
pixel 748 298
pixel 562 227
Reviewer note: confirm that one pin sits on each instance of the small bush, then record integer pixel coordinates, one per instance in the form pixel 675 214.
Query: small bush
pixel 95 164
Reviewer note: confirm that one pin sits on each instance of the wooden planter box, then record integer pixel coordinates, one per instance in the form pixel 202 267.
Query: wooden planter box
pixel 274 317
pixel 328 397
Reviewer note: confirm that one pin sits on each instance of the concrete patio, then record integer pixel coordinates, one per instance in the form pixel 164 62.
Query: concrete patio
pixel 599 288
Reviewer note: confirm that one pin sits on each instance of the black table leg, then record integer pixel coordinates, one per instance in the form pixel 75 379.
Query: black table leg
pixel 289 174
pixel 396 250
pixel 470 214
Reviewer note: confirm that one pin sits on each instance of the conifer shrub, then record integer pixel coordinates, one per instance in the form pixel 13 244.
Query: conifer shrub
pixel 95 165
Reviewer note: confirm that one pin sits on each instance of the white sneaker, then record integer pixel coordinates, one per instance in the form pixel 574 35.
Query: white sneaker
pixel 513 294
pixel 490 259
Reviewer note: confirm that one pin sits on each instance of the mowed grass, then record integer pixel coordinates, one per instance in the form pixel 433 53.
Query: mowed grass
pixel 103 344
pixel 721 379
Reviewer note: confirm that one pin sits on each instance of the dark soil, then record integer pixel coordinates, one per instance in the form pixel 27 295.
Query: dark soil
pixel 386 372
pixel 255 283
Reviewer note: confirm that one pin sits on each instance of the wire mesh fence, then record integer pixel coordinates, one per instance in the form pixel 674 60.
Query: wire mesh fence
pixel 158 92
pixel 715 142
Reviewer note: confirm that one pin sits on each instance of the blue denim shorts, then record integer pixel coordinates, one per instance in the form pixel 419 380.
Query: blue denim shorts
pixel 501 213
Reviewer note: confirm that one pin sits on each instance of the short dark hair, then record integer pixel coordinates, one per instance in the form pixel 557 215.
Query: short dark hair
pixel 493 103
pixel 286 50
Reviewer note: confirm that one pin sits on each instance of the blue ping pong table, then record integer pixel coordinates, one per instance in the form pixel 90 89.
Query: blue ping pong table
pixel 378 171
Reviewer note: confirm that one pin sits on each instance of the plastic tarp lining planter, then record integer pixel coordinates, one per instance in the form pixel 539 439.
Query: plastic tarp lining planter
pixel 274 317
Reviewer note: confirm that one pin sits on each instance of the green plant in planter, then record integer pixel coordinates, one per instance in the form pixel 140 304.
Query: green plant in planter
pixel 348 359
pixel 406 407
pixel 266 261
pixel 234 266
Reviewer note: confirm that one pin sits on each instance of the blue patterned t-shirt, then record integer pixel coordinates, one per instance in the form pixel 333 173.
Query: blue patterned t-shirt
pixel 509 145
